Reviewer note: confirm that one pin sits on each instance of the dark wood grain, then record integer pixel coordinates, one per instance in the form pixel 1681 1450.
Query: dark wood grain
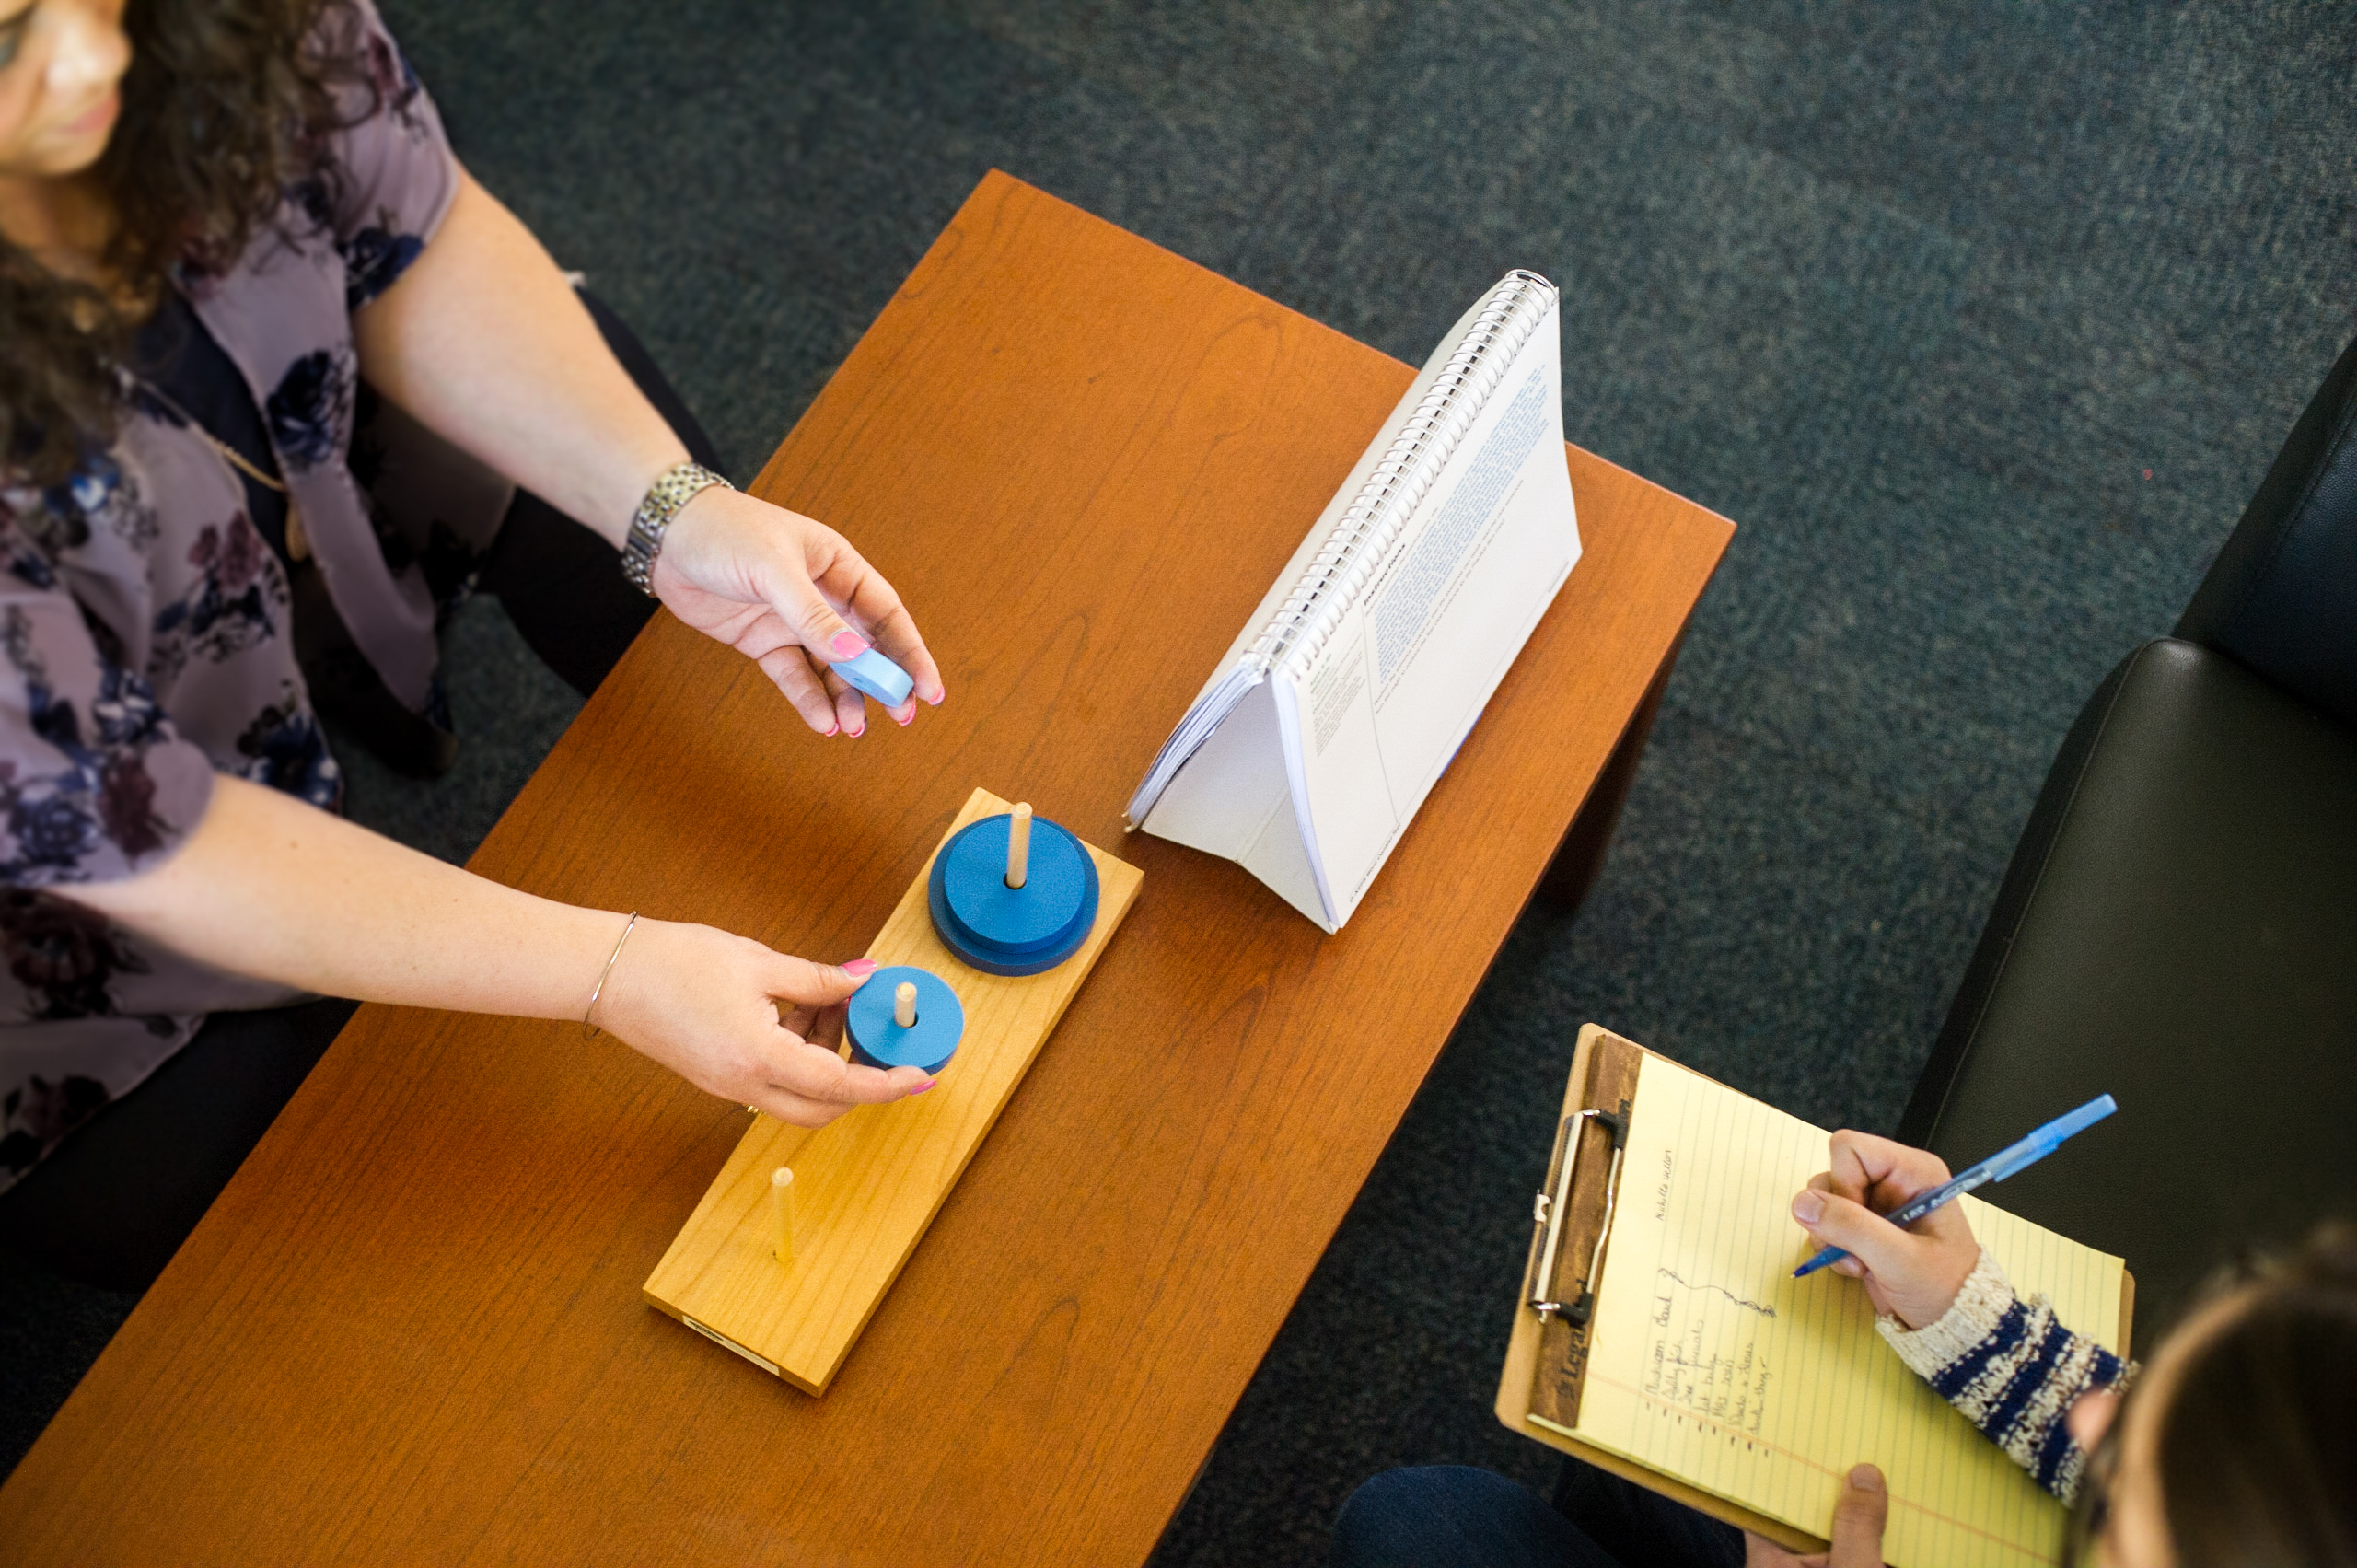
pixel 1611 1087
pixel 411 1330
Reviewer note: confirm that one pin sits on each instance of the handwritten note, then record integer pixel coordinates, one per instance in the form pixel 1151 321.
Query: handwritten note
pixel 1710 1363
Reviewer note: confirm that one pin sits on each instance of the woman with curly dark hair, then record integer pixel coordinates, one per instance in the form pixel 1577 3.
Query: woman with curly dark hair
pixel 277 379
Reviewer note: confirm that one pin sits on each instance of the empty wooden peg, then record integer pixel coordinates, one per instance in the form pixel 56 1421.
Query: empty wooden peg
pixel 1019 845
pixel 904 1005
pixel 782 1212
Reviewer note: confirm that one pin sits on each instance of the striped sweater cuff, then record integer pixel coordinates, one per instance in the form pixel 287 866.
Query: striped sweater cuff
pixel 2011 1369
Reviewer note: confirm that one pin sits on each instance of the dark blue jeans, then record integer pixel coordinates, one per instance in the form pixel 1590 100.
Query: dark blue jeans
pixel 1456 1517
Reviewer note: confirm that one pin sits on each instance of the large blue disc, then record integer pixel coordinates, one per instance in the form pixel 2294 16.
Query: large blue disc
pixel 1012 931
pixel 878 1041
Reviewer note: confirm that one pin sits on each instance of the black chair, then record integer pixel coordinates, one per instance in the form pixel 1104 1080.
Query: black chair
pixel 2179 924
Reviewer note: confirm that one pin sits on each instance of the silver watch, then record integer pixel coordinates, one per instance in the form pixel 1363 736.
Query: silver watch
pixel 671 490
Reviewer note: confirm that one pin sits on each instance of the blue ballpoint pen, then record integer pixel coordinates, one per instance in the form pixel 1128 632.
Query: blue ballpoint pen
pixel 1996 1168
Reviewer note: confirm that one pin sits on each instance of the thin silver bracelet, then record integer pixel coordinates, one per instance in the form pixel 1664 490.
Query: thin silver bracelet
pixel 589 1029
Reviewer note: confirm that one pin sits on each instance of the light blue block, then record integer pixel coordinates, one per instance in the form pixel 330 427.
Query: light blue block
pixel 875 676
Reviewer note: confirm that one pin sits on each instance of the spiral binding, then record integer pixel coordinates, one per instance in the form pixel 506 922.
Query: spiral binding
pixel 1304 621
pixel 1360 538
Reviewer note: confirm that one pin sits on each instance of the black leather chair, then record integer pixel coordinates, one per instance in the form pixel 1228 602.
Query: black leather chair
pixel 2179 924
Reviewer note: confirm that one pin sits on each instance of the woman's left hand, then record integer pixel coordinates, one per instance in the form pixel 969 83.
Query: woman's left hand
pixel 1859 1512
pixel 793 596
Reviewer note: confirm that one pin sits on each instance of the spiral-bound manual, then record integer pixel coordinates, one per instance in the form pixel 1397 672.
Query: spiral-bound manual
pixel 1337 708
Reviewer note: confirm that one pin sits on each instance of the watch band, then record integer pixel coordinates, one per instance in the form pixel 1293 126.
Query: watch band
pixel 671 490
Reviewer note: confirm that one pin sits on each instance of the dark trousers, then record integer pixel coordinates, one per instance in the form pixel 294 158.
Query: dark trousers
pixel 1450 1516
pixel 113 1202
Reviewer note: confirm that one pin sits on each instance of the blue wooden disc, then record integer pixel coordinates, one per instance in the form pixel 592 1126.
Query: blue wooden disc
pixel 878 1041
pixel 877 677
pixel 1012 931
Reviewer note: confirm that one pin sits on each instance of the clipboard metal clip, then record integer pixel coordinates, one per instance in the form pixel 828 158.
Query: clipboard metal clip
pixel 1551 1213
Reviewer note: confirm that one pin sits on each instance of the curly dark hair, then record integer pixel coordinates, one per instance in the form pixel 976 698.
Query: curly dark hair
pixel 225 104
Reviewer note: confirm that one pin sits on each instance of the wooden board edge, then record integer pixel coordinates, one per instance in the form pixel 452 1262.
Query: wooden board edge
pixel 694 1221
pixel 976 803
pixel 1574 454
pixel 1113 907
pixel 1119 883
pixel 1512 1406
pixel 760 1361
pixel 2127 1311
pixel 761 1136
pixel 1521 1368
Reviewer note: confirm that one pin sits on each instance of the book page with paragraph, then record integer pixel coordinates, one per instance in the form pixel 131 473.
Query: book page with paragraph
pixel 1710 1363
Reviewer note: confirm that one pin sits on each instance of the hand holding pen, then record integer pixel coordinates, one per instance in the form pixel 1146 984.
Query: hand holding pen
pixel 1887 1215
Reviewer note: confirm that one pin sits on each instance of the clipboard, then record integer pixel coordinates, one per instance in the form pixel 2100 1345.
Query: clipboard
pixel 1539 1387
pixel 1570 1230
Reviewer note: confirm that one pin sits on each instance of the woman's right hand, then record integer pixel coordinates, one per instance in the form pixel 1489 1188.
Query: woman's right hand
pixel 739 1020
pixel 1913 1275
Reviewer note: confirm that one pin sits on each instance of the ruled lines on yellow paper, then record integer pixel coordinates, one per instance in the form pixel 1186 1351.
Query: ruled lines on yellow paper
pixel 1711 1363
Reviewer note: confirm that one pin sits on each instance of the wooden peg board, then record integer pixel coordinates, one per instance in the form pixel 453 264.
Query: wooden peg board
pixel 867 1184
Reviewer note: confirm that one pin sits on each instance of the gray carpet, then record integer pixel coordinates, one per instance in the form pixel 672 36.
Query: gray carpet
pixel 1982 322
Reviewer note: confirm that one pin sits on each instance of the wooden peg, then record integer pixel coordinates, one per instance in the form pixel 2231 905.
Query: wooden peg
pixel 1018 846
pixel 905 1016
pixel 1011 893
pixel 782 1212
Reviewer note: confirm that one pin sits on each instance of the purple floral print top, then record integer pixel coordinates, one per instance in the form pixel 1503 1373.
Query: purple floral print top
pixel 145 635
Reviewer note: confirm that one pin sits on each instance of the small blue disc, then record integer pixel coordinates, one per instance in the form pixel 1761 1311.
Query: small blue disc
pixel 878 1041
pixel 1012 931
pixel 877 677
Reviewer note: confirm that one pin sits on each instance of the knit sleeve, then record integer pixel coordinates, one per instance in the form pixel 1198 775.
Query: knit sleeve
pixel 2013 1370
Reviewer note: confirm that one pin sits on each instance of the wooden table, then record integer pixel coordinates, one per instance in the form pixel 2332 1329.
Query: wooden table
pixel 411 1331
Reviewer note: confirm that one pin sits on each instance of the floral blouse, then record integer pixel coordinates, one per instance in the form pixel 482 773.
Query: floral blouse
pixel 146 632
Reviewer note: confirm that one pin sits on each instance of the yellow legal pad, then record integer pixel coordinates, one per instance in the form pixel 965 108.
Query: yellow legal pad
pixel 1708 1364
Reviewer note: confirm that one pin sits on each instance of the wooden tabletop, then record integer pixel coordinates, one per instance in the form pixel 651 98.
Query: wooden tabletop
pixel 411 1330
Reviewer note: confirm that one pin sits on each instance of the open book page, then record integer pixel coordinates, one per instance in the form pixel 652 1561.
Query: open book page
pixel 1370 724
pixel 1232 801
pixel 1711 1363
pixel 1189 803
pixel 1194 798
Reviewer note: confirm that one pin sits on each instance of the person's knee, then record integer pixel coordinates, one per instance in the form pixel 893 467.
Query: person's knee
pixel 1427 1517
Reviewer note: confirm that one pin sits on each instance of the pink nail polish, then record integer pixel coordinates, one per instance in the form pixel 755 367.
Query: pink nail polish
pixel 856 734
pixel 848 644
pixel 920 1089
pixel 908 718
pixel 861 966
